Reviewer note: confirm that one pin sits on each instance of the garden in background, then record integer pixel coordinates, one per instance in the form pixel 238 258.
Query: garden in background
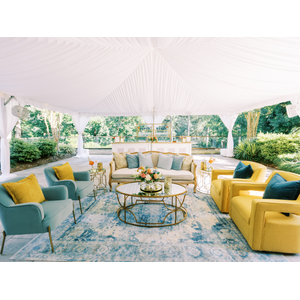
pixel 264 135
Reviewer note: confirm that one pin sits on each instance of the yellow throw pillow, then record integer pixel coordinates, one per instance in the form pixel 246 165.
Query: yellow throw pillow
pixel 120 160
pixel 26 190
pixel 186 164
pixel 64 172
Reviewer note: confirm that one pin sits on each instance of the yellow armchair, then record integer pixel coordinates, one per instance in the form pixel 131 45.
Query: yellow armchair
pixel 261 220
pixel 220 188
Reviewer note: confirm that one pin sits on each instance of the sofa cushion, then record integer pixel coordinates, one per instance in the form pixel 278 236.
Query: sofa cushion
pixel 177 175
pixel 186 164
pixel 177 162
pixel 145 160
pixel 165 161
pixel 132 160
pixel 120 160
pixel 124 173
pixel 25 190
pixel 64 172
pixel 243 171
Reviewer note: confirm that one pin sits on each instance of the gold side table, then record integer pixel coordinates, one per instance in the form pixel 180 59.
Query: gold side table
pixel 204 181
pixel 100 181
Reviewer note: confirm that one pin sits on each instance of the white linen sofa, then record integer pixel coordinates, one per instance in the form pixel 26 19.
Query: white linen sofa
pixel 184 177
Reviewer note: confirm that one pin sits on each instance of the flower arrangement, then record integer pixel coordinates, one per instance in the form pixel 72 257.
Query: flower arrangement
pixel 147 175
pixel 91 163
pixel 113 138
pixel 153 138
pixel 211 160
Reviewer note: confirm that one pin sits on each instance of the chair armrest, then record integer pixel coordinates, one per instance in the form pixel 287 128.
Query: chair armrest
pixel 71 186
pixel 236 187
pixel 112 166
pixel 55 192
pixel 193 167
pixel 257 218
pixel 216 173
pixel 82 176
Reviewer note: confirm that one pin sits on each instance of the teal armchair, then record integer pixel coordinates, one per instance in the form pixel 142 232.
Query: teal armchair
pixel 78 189
pixel 29 218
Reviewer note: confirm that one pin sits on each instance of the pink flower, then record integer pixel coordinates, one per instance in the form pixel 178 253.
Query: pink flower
pixel 143 175
pixel 155 176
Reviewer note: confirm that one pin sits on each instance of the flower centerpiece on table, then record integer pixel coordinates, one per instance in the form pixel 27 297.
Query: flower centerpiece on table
pixel 91 163
pixel 211 160
pixel 147 175
pixel 153 139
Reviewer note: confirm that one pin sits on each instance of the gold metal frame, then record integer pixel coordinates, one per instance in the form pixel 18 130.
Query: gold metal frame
pixel 152 200
pixel 2 246
pixel 202 185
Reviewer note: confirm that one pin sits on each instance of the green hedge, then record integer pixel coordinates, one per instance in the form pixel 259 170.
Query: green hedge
pixel 47 147
pixel 21 151
pixel 288 162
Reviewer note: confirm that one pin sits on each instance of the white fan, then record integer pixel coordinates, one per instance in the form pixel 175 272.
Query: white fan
pixel 20 111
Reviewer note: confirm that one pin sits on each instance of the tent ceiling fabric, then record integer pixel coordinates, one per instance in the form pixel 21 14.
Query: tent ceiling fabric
pixel 130 76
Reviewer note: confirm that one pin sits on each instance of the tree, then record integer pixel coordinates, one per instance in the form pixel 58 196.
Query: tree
pixel 252 118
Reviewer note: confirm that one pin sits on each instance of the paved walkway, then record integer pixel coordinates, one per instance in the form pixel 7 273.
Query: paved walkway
pixel 14 243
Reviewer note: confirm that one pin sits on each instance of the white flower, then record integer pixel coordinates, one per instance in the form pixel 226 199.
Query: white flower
pixel 148 177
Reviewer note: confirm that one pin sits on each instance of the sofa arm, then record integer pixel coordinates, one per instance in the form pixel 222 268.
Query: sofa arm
pixel 55 192
pixel 82 176
pixel 216 173
pixel 22 218
pixel 112 166
pixel 258 210
pixel 237 186
pixel 71 186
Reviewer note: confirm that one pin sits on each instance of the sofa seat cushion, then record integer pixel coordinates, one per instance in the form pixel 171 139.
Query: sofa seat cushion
pixel 243 205
pixel 55 212
pixel 124 173
pixel 177 175
pixel 217 185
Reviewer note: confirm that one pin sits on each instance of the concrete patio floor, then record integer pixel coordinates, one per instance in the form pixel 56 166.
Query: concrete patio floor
pixel 14 243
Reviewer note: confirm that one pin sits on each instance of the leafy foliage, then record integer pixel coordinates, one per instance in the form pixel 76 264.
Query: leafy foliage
pixel 46 147
pixel 66 149
pixel 247 150
pixel 288 162
pixel 23 151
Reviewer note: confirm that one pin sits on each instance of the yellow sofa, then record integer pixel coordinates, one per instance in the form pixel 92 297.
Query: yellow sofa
pixel 260 220
pixel 220 188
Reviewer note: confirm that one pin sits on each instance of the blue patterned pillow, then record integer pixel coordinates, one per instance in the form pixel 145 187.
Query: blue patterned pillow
pixel 165 161
pixel 177 162
pixel 145 160
pixel 279 188
pixel 132 161
pixel 243 171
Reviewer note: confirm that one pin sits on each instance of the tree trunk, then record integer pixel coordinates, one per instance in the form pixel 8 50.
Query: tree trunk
pixel 252 118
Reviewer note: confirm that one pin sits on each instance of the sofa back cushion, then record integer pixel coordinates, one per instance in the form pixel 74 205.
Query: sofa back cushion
pixel 120 160
pixel 186 164
pixel 145 160
pixel 177 162
pixel 243 171
pixel 165 161
pixel 155 157
pixel 132 160
pixel 64 172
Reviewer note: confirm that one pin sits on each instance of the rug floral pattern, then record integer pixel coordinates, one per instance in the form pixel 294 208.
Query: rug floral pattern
pixel 205 236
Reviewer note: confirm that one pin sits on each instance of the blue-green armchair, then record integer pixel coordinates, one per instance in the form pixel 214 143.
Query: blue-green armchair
pixel 29 218
pixel 78 189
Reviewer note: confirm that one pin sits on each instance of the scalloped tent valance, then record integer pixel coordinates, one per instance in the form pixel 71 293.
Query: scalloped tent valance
pixel 130 76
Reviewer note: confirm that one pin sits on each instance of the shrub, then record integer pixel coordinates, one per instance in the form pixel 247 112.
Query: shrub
pixel 247 150
pixel 23 151
pixel 288 162
pixel 66 149
pixel 46 147
pixel 272 145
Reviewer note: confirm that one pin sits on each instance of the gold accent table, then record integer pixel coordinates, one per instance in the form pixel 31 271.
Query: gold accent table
pixel 204 181
pixel 100 181
pixel 129 195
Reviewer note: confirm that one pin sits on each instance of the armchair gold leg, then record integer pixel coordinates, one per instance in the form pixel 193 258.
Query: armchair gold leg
pixel 80 204
pixel 74 214
pixel 4 236
pixel 50 238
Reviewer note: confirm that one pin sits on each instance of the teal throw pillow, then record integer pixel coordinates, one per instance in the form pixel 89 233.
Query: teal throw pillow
pixel 279 188
pixel 177 162
pixel 132 161
pixel 165 161
pixel 243 171
pixel 145 160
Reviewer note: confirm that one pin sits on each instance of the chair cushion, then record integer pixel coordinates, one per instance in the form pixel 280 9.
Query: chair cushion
pixel 132 160
pixel 243 171
pixel 124 173
pixel 25 191
pixel 177 175
pixel 177 162
pixel 165 161
pixel 83 188
pixel 145 160
pixel 186 164
pixel 64 172
pixel 120 160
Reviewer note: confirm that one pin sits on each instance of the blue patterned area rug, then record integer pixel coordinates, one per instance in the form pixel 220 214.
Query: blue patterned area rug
pixel 205 235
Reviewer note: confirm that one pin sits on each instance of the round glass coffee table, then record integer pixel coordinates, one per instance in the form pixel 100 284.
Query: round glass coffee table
pixel 164 208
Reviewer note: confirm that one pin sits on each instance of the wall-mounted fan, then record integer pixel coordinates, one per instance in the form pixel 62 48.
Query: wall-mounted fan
pixel 18 110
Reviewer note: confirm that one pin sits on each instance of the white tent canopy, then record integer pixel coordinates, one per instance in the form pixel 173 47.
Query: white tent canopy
pixel 131 76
